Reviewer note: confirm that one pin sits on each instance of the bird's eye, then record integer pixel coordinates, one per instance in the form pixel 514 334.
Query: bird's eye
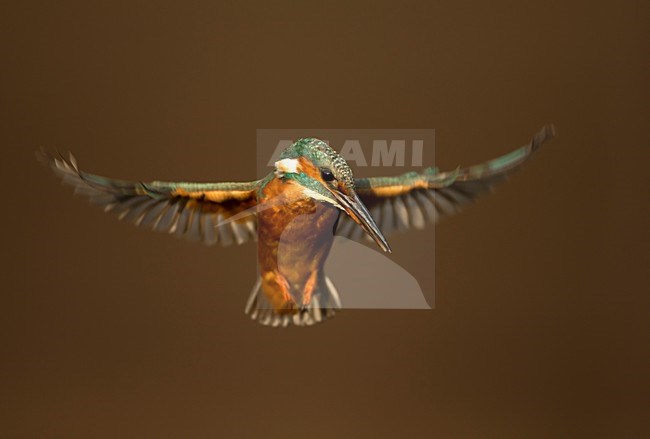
pixel 326 174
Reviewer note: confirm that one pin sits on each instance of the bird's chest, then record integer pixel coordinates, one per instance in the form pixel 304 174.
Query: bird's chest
pixel 295 229
pixel 297 223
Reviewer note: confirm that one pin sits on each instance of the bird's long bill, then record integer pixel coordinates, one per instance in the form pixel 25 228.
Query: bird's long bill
pixel 355 208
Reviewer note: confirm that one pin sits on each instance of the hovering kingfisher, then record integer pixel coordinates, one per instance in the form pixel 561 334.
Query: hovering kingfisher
pixel 294 213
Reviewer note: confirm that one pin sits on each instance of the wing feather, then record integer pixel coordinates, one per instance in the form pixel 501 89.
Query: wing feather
pixel 413 199
pixel 191 210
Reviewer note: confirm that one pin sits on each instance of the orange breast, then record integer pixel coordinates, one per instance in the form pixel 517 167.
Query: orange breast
pixel 294 240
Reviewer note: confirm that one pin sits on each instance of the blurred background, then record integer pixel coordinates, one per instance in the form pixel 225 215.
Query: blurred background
pixel 540 327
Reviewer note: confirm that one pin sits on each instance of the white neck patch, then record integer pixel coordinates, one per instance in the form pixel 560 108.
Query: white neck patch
pixel 287 166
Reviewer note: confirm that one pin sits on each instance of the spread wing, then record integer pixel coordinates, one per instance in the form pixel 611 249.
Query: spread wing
pixel 415 199
pixel 192 210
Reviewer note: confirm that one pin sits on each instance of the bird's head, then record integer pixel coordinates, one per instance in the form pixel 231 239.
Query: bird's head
pixel 326 177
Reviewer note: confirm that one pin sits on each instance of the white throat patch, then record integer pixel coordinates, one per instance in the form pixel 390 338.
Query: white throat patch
pixel 316 196
pixel 287 166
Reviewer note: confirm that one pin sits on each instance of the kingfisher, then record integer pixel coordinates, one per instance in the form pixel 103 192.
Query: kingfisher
pixel 294 213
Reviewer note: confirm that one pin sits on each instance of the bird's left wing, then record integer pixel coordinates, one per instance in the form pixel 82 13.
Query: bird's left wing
pixel 413 199
pixel 193 210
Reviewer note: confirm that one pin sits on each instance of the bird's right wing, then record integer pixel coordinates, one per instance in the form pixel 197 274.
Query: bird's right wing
pixel 193 210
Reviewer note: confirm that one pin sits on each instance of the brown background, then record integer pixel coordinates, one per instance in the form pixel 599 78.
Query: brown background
pixel 540 327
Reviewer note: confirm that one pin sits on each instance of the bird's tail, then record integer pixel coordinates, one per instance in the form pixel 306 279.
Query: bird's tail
pixel 324 302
